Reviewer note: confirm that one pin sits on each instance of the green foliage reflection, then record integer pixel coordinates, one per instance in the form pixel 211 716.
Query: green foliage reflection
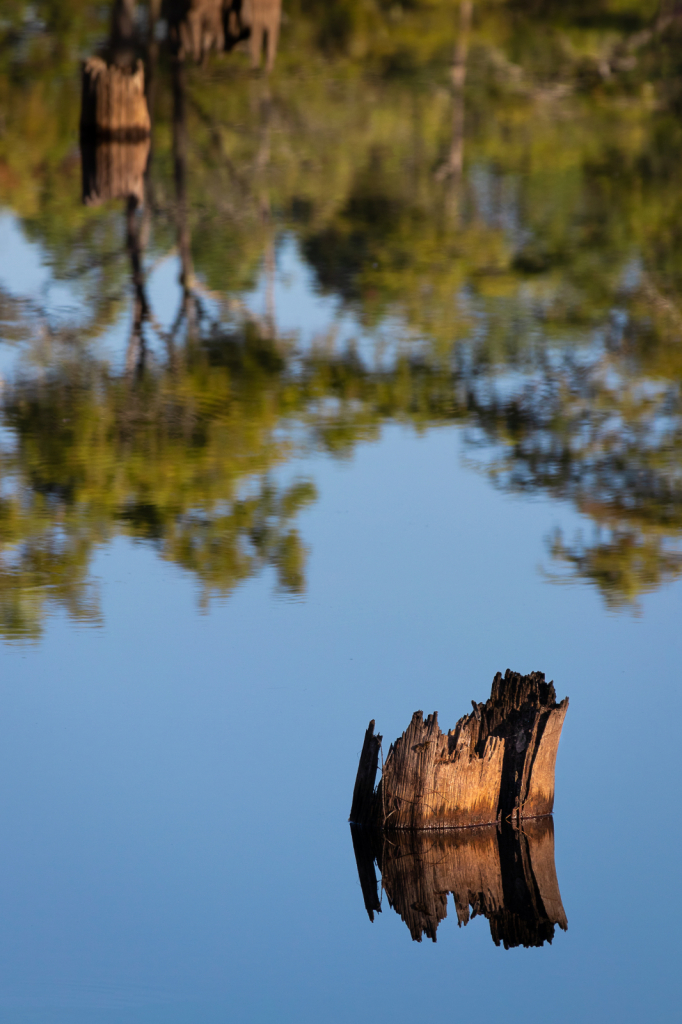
pixel 530 293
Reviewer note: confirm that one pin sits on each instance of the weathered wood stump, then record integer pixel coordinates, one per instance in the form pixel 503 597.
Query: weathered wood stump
pixel 504 873
pixel 114 106
pixel 496 764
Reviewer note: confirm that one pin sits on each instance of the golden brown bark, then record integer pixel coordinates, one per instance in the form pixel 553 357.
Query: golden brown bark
pixel 497 763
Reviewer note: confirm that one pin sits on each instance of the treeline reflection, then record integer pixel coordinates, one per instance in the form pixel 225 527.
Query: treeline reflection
pixel 505 206
pixel 504 874
pixel 165 454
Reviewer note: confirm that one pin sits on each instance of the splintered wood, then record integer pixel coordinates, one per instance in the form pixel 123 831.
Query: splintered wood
pixel 496 764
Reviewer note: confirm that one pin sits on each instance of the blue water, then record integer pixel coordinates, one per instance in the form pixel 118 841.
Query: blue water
pixel 176 785
pixel 180 721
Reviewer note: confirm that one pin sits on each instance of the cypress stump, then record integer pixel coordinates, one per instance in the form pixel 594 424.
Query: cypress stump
pixel 496 764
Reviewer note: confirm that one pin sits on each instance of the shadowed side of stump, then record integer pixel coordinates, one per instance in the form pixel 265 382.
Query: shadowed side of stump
pixel 364 797
pixel 497 763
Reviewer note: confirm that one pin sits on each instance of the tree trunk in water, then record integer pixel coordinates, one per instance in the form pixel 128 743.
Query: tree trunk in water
pixel 497 763
pixel 123 31
pixel 180 173
pixel 454 164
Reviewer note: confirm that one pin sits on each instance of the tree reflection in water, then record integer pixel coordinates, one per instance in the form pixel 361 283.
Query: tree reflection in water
pixel 502 873
pixel 164 457
pixel 525 262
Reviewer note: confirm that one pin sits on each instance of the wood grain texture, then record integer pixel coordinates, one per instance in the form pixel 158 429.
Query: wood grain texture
pixel 114 105
pixel 497 763
pixel 500 872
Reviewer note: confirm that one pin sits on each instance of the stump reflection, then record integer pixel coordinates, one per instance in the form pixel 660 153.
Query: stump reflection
pixel 113 170
pixel 506 874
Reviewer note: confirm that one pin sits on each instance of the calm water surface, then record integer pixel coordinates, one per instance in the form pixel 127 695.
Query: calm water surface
pixel 360 386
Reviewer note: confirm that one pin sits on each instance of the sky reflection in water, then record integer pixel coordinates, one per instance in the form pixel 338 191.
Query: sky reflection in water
pixel 337 472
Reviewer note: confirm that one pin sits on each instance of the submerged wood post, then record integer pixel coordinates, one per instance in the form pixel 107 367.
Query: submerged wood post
pixel 496 764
